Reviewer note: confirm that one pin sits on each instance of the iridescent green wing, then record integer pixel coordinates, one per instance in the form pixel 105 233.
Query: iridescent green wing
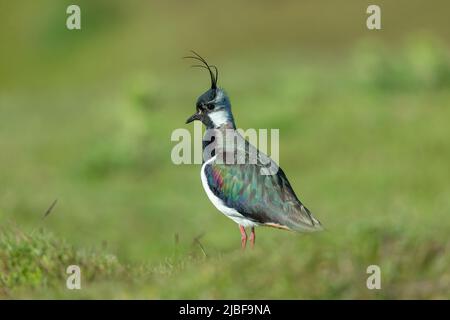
pixel 266 199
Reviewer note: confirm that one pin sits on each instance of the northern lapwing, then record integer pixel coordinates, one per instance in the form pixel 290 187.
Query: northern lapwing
pixel 241 190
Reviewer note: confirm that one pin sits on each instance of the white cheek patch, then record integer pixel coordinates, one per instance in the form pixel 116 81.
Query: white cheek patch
pixel 218 118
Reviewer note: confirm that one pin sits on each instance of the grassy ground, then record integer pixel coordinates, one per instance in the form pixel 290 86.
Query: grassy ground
pixel 86 119
pixel 413 266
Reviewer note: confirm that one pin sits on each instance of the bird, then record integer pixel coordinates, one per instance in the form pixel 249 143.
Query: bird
pixel 242 190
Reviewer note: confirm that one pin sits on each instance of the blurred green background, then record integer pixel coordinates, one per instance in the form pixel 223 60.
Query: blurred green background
pixel 86 118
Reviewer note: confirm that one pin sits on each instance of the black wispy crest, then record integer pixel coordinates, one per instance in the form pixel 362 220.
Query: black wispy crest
pixel 214 76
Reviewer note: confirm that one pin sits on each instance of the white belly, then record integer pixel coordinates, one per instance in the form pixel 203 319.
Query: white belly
pixel 218 203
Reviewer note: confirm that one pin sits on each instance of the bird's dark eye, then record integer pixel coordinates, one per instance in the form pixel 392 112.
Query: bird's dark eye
pixel 210 106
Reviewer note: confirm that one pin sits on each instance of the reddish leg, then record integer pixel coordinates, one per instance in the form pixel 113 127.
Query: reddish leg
pixel 243 237
pixel 252 238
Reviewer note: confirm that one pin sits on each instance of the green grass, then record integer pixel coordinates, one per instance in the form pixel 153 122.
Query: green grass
pixel 413 266
pixel 86 118
pixel 38 261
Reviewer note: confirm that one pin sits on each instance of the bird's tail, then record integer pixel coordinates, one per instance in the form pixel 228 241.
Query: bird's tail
pixel 304 221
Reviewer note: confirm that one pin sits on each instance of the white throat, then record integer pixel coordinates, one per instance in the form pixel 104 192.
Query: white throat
pixel 218 118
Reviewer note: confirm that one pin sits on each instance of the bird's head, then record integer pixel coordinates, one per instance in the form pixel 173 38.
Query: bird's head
pixel 213 107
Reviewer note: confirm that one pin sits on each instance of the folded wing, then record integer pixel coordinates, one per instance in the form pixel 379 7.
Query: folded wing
pixel 265 199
